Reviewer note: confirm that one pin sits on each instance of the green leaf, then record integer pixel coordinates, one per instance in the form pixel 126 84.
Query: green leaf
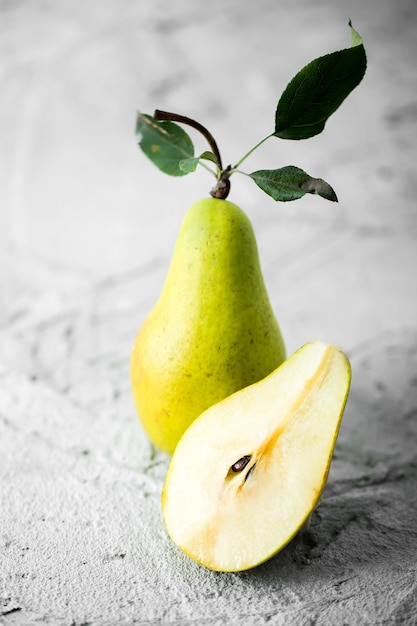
pixel 166 144
pixel 315 93
pixel 291 183
pixel 209 156
pixel 190 165
pixel 355 38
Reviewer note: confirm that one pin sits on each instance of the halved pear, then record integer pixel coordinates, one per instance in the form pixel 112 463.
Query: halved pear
pixel 247 474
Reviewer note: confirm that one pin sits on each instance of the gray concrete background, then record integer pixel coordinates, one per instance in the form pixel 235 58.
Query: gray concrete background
pixel 87 228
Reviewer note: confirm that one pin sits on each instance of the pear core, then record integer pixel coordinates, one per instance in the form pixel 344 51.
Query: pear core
pixel 212 331
pixel 250 470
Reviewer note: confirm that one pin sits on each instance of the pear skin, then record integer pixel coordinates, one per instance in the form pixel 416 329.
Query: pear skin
pixel 212 330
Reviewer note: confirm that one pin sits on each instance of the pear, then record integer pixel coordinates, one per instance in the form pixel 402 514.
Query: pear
pixel 212 330
pixel 247 474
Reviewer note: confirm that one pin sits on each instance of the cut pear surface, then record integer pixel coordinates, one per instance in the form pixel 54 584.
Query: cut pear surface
pixel 247 474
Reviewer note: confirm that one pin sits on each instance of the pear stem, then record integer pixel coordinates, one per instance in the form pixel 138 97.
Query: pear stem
pixel 222 187
pixel 183 119
pixel 250 151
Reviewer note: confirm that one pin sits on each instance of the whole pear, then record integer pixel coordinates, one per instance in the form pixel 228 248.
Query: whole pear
pixel 212 330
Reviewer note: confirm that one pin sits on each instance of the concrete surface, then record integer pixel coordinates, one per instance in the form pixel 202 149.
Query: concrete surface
pixel 87 227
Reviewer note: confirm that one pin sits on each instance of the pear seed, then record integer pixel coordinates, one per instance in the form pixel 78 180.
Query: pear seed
pixel 241 463
pixel 249 472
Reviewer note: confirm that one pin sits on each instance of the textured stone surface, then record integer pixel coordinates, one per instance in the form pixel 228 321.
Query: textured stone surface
pixel 86 233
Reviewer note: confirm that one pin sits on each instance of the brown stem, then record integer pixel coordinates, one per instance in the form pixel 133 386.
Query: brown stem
pixel 222 187
pixel 182 119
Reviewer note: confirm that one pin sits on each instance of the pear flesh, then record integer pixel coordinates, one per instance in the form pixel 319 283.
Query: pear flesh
pixel 212 331
pixel 248 473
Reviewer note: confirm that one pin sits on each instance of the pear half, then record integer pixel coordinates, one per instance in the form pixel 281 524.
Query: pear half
pixel 247 474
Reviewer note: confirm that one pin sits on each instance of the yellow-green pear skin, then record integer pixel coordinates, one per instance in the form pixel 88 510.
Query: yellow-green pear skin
pixel 212 330
pixel 247 474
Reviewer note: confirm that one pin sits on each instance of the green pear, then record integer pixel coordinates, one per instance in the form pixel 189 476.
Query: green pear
pixel 247 474
pixel 212 330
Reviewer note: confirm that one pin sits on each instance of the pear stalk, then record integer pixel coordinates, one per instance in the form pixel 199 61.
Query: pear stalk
pixel 164 116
